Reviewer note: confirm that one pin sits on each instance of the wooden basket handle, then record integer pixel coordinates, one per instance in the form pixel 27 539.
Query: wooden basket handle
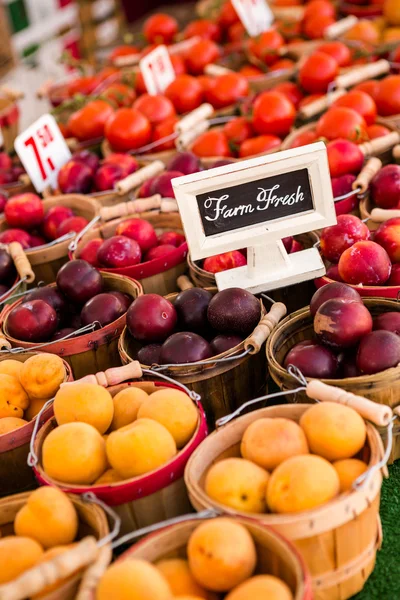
pixel 187 137
pixel 124 209
pixel 396 152
pixel 380 215
pixel 135 179
pixel 34 580
pixel 21 262
pixel 368 172
pixel 264 328
pixel 298 49
pixel 213 70
pixel 379 414
pixel 319 105
pixel 11 92
pixel 340 27
pixel 380 144
pixel 203 112
pixel 112 376
pixel 288 13
pixel 381 67
pixel 183 282
pixel 4 344
pixel 169 205
pixel 93 573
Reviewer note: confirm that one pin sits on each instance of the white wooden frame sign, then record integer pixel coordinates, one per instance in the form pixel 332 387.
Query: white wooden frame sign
pixel 253 204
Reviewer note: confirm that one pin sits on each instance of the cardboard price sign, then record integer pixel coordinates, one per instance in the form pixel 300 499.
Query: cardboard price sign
pixel 157 70
pixel 253 204
pixel 43 151
pixel 255 15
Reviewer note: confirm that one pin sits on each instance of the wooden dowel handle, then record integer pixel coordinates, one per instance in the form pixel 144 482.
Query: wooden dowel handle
pixel 380 215
pixel 183 282
pixel 379 414
pixel 340 27
pixel 169 205
pixel 298 49
pixel 124 209
pixel 204 111
pixel 187 137
pixel 213 70
pixel 4 344
pixel 126 61
pixel 366 175
pixel 34 580
pixel 264 328
pixel 380 144
pixel 21 262
pixel 93 573
pixel 396 152
pixel 113 376
pixel 319 105
pixel 381 67
pixel 288 13
pixel 11 92
pixel 135 179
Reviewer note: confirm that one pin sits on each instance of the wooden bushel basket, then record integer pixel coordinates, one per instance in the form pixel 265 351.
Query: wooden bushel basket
pixel 90 352
pixel 224 386
pixel 144 500
pixel 15 474
pixel 86 557
pixel 47 261
pixel 275 554
pixel 338 540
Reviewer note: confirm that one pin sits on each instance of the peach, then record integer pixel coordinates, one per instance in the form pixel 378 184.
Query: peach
pixel 385 187
pixel 342 185
pixel 394 278
pixel 89 252
pixel 302 483
pixel 11 367
pixel 16 235
pixel 389 321
pixel 171 237
pixel 388 236
pixel 261 587
pixel 140 447
pixel 5 161
pixel 126 406
pixel 139 230
pixel 109 476
pixel 174 410
pixel 49 517
pixel 119 251
pixel 268 442
pixel 74 453
pixel 35 406
pixel 24 211
pixel 223 262
pixel 75 177
pixel 158 252
pixel 349 469
pixel 378 351
pixel 239 484
pixel 75 224
pixel 53 219
pixel 333 431
pixel 8 424
pixel 85 402
pixel 181 581
pixel 344 157
pixel 17 554
pixel 341 324
pixel 13 398
pixel 41 375
pixel 133 579
pixel 335 239
pixel 3 201
pixel 107 176
pixel 365 263
pixel 128 163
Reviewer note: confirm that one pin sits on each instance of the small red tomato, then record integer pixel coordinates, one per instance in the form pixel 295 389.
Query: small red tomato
pixel 211 143
pixel 342 122
pixel 119 94
pixel 202 53
pixel 265 47
pixel 227 89
pixel 338 51
pixel 156 108
pixel 273 114
pixel 128 129
pixel 259 145
pixel 160 29
pixel 162 130
pixel 361 103
pixel 203 28
pixel 317 72
pixel 88 122
pixel 238 130
pixel 291 91
pixel 185 93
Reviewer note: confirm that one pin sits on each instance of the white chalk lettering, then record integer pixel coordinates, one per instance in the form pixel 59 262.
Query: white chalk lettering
pixel 224 211
pixel 268 198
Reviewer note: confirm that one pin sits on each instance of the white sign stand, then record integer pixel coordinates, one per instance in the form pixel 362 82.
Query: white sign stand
pixel 253 204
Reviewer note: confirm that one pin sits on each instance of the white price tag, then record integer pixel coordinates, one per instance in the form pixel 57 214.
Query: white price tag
pixel 157 70
pixel 43 151
pixel 255 15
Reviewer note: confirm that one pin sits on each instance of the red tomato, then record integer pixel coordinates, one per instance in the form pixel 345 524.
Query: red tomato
pixel 206 81
pixel 309 99
pixel 370 87
pixel 322 8
pixel 162 130
pixel 304 138
pixel 124 50
pixel 82 85
pixel 160 29
pixel 211 143
pixel 273 113
pixel 314 27
pixel 227 90
pixel 265 47
pixel 127 130
pixel 178 64
pixel 238 130
pixel 282 65
pixel 88 122
pixel 203 28
pixel 185 93
pixel 156 108
pixel 337 50
pixel 119 94
pixel 376 130
pixel 259 145
pixel 342 122
pixel 201 54
pixel 227 15
pixel 237 32
pixel 140 85
pixel 251 71
pixel 388 96
pixel 317 72
pixel 291 91
pixel 361 103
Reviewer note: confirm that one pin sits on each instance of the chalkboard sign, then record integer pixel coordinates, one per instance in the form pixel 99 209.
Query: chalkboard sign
pixel 258 201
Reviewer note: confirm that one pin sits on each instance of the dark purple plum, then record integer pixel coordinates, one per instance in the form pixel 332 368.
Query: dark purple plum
pixel 349 366
pixel 149 355
pixel 90 159
pixel 191 306
pixel 184 162
pixel 7 269
pixel 104 308
pixel 151 318
pixel 341 323
pixel 61 333
pixel 125 299
pixel 79 281
pixel 184 347
pixel 389 321
pixel 340 291
pixel 378 351
pixel 234 311
pixel 53 297
pixel 222 343
pixel 313 360
pixel 34 321
pixel 222 162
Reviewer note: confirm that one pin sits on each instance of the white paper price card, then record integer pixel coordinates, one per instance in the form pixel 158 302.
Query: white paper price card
pixel 157 70
pixel 255 15
pixel 43 151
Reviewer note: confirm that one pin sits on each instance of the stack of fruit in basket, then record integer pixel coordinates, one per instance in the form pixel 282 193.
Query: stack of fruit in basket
pixel 26 386
pixel 348 342
pixel 120 437
pixel 196 327
pixel 78 299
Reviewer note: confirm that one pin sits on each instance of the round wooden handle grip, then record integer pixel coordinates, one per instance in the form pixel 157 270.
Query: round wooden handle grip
pixel 264 328
pixel 381 144
pixel 298 49
pixel 183 282
pixel 34 580
pixel 169 205
pixel 93 574
pixel 127 60
pixel 124 209
pixel 4 344
pixel 340 27
pixel 213 70
pixel 21 262
pixel 112 376
pixel 380 215
pixel 288 13
pixel 379 414
pixel 396 152
pixel 370 169
pixel 187 137
pixel 319 105
pixel 135 179
pixel 381 67
pixel 204 111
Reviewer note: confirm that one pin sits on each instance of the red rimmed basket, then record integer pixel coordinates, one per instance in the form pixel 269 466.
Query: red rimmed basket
pixel 361 12
pixel 15 474
pixel 144 500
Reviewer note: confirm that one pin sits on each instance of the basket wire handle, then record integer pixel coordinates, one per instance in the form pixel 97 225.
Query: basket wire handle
pixel 11 289
pixel 33 458
pixel 116 519
pixel 85 329
pixel 363 479
pixel 133 535
pixel 193 395
pixel 77 238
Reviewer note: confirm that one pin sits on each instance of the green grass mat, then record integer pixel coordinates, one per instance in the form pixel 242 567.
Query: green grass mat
pixel 384 583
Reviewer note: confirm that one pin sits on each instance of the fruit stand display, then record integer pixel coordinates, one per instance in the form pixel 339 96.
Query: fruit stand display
pixel 199 285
